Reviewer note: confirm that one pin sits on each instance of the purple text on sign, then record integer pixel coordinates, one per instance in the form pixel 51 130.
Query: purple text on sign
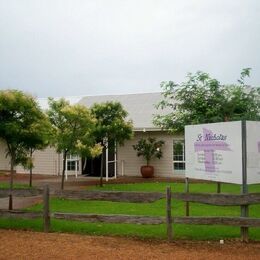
pixel 209 147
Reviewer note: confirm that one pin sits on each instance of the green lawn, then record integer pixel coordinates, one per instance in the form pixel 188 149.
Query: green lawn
pixel 176 187
pixel 154 209
pixel 15 186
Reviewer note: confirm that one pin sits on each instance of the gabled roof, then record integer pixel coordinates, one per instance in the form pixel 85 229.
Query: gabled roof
pixel 139 106
pixel 43 102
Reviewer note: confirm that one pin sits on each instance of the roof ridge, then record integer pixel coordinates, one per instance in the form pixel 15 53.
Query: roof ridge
pixel 102 95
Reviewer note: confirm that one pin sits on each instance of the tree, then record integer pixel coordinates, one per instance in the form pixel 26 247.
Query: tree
pixel 111 122
pixel 112 125
pixel 19 114
pixel 73 130
pixel 149 148
pixel 40 133
pixel 202 99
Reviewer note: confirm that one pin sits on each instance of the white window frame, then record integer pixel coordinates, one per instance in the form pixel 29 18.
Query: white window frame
pixel 181 171
pixel 72 158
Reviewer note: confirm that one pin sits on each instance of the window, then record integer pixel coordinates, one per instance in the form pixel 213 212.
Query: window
pixel 71 166
pixel 72 162
pixel 178 156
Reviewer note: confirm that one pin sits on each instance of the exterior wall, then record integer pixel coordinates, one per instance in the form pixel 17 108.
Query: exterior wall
pixel 4 162
pixel 45 162
pixel 50 163
pixel 129 164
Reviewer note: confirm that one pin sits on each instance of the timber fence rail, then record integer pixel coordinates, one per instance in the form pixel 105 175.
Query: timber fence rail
pixel 115 196
pixel 217 200
pixel 141 197
pixel 21 192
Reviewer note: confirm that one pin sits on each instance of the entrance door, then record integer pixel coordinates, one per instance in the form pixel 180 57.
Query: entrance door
pixel 92 166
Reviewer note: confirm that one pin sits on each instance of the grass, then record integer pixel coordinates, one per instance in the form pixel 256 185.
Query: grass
pixel 156 208
pixel 15 186
pixel 175 187
pixel 129 230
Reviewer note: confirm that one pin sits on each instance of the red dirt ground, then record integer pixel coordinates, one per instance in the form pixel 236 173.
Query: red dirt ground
pixel 33 245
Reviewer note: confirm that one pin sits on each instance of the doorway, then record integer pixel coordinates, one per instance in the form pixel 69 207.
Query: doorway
pixel 92 166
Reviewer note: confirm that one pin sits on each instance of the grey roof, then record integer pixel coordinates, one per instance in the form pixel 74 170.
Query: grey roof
pixel 43 102
pixel 139 106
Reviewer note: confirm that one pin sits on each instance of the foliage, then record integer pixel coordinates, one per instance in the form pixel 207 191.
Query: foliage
pixel 73 130
pixel 202 99
pixel 178 147
pixel 73 127
pixel 21 118
pixel 41 135
pixel 111 122
pixel 149 148
pixel 111 126
pixel 93 151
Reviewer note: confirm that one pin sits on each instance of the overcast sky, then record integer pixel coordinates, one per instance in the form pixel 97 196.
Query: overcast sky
pixel 93 47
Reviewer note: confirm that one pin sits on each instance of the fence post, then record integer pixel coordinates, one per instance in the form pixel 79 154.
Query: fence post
pixel 169 214
pixel 187 204
pixel 46 209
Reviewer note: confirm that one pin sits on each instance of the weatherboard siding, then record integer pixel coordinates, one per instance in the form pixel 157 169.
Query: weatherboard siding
pixel 131 163
pixel 4 162
pixel 50 163
pixel 45 162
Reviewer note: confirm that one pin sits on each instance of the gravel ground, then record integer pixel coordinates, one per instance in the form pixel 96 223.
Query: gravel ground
pixel 34 245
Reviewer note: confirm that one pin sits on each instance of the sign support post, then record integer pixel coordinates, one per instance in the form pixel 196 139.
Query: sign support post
pixel 187 204
pixel 244 188
pixel 218 187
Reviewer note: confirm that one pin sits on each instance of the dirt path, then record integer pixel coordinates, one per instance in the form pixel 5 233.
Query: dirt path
pixel 33 245
pixel 20 202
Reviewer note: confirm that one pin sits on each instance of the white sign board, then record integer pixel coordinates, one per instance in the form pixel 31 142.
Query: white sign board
pixel 253 152
pixel 214 152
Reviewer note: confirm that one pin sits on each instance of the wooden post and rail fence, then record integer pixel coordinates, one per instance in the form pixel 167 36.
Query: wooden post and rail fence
pixel 140 197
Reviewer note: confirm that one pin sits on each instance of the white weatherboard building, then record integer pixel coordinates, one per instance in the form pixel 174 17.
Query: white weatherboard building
pixel 123 160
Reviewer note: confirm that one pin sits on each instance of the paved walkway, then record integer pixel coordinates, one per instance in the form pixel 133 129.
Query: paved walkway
pixel 20 202
pixel 39 181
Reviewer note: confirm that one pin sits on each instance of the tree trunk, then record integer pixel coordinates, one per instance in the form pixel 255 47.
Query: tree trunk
pixel 11 184
pixel 101 169
pixel 30 181
pixel 63 169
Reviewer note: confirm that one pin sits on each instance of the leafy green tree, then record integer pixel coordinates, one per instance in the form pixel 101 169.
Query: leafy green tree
pixel 73 130
pixel 202 99
pixel 41 134
pixel 111 124
pixel 19 114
